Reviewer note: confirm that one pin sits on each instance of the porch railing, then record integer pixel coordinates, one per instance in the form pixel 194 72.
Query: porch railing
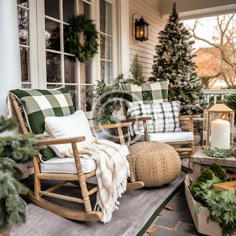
pixel 216 95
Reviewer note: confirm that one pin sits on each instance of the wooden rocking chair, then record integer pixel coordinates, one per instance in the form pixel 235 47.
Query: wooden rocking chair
pixel 80 176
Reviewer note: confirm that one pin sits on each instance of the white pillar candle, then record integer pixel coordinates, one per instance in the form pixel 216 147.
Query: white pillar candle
pixel 220 134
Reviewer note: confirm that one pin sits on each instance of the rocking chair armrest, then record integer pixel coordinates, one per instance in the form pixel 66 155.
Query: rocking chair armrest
pixel 52 141
pixel 140 118
pixel 110 126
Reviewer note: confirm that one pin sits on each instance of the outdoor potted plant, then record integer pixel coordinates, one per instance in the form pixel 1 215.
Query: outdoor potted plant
pixel 13 150
pixel 213 211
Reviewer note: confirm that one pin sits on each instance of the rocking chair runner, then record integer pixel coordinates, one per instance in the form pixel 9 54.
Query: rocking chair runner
pixel 80 176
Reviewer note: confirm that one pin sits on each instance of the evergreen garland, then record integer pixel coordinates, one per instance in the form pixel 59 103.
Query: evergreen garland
pixel 173 62
pixel 72 32
pixel 221 152
pixel 13 150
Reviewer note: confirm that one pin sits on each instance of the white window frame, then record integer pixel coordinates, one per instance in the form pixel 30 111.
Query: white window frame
pixel 120 43
pixel 114 39
pixel 33 60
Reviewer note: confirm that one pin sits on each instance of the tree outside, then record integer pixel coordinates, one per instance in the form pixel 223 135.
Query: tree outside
pixel 174 62
pixel 216 57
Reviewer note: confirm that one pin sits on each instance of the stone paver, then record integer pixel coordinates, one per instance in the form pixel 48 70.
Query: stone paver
pixel 178 222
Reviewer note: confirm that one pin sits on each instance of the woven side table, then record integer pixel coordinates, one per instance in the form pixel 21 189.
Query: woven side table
pixel 154 163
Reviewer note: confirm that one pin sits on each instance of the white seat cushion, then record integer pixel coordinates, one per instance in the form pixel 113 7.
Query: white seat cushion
pixel 168 136
pixel 67 165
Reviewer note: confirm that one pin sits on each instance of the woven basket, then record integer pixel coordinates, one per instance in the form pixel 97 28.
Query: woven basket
pixel 154 163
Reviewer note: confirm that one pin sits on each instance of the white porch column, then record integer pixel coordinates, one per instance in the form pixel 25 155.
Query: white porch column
pixel 10 70
pixel 123 31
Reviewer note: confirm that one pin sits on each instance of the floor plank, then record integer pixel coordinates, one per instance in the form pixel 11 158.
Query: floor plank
pixel 135 210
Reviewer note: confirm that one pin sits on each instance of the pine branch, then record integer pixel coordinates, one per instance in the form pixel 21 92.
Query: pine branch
pixel 7 124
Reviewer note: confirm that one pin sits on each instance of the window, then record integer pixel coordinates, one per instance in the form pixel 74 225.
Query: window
pixel 23 25
pixel 45 63
pixel 106 45
pixel 60 65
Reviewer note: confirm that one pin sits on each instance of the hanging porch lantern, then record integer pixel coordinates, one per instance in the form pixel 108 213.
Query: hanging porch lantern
pixel 141 29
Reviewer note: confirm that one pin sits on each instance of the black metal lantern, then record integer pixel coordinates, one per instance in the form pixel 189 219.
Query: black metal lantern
pixel 141 29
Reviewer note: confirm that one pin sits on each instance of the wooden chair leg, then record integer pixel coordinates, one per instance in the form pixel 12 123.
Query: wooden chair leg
pixel 37 183
pixel 82 180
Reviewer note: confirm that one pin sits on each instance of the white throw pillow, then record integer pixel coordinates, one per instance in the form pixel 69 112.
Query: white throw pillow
pixel 68 126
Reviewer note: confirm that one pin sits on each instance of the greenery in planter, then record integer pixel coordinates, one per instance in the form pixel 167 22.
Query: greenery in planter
pixel 136 70
pixel 13 150
pixel 109 96
pixel 108 101
pixel 220 204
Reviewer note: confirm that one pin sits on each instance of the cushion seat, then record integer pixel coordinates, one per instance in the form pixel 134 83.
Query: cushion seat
pixel 168 136
pixel 67 165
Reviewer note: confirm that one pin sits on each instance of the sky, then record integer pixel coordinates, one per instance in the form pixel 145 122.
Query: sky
pixel 206 29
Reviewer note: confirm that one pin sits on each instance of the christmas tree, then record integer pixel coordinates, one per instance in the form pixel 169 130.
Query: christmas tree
pixel 13 150
pixel 173 62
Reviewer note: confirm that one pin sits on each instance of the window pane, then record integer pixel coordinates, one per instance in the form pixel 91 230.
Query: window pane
pixel 106 47
pixel 53 61
pixel 23 24
pixel 23 3
pixel 24 59
pixel 86 97
pixel 74 92
pixel 106 71
pixel 26 86
pixel 105 17
pixel 52 35
pixel 53 86
pixel 87 10
pixel 68 9
pixel 88 72
pixel 69 70
pixel 52 8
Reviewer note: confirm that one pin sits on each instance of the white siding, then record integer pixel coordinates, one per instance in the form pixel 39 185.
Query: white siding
pixel 145 50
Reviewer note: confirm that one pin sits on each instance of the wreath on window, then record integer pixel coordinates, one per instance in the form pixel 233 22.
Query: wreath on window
pixel 72 37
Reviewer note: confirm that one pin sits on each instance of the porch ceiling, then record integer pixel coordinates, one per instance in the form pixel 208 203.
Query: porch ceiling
pixel 194 9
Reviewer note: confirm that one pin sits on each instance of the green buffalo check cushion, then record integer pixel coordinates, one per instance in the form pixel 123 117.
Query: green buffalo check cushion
pixel 147 93
pixel 37 104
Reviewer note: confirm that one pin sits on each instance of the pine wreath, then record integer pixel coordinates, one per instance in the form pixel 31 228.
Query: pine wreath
pixel 77 25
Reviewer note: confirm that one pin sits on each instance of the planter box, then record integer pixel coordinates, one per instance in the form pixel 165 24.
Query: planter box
pixel 200 219
pixel 226 186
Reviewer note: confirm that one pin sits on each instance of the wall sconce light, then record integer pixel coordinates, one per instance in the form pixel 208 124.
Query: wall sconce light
pixel 141 29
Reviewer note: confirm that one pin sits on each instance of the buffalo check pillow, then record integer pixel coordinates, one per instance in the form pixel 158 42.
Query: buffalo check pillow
pixel 37 104
pixel 40 103
pixel 165 116
pixel 146 93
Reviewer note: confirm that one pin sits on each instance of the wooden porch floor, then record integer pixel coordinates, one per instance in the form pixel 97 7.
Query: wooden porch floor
pixel 138 210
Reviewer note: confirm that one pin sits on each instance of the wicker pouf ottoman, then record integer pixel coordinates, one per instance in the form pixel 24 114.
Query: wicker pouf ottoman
pixel 154 163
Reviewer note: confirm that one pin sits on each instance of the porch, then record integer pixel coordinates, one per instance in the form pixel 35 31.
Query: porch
pixel 33 64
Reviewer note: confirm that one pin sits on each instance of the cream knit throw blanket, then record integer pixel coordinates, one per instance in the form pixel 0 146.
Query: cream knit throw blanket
pixel 112 173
